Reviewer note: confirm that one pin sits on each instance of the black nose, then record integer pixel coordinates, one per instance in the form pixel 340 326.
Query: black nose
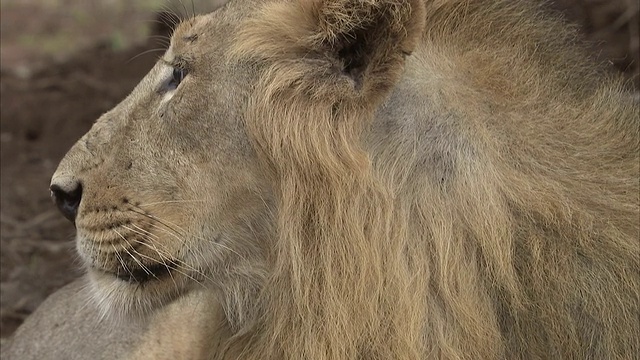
pixel 67 199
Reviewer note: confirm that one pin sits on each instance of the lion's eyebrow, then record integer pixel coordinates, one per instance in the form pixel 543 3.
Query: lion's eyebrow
pixel 191 38
pixel 176 62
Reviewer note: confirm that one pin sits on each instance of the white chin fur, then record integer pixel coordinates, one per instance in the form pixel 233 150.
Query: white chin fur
pixel 121 300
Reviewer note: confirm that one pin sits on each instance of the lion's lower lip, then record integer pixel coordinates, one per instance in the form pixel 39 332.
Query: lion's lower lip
pixel 141 275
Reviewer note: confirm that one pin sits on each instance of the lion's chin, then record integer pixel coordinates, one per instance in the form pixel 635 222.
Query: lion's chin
pixel 135 295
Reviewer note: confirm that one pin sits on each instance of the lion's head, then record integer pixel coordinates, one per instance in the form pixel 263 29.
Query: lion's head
pixel 166 190
pixel 369 179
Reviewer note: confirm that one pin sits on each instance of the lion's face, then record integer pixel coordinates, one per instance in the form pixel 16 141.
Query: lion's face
pixel 170 193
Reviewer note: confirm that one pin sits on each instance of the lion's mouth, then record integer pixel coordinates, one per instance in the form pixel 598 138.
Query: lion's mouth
pixel 141 275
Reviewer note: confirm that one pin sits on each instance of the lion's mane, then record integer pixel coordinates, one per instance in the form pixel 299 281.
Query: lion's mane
pixel 529 247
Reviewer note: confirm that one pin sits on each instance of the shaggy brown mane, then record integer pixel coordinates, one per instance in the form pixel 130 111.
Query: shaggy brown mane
pixel 336 223
pixel 507 256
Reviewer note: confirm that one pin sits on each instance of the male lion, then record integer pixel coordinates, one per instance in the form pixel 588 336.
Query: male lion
pixel 357 179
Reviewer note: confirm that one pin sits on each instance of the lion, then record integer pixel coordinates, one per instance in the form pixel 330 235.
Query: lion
pixel 359 179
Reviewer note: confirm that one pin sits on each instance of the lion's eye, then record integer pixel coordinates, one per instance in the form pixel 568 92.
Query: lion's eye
pixel 176 77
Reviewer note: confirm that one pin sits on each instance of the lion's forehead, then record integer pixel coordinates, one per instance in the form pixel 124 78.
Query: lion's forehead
pixel 195 32
pixel 188 28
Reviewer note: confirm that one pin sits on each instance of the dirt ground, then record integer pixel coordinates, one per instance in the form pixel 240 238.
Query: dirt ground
pixel 49 100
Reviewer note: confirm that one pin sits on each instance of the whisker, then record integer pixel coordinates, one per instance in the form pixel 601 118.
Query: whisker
pixel 143 213
pixel 144 268
pixel 162 260
pixel 172 14
pixel 121 261
pixel 182 231
pixel 161 37
pixel 144 53
pixel 163 257
pixel 177 268
pixel 141 231
pixel 171 202
pixel 176 234
pixel 170 17
pixel 161 40
pixel 186 12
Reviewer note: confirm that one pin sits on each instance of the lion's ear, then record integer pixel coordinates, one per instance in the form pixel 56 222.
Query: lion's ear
pixel 365 38
pixel 351 46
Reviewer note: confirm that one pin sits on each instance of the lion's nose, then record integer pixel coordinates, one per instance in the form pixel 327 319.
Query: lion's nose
pixel 67 196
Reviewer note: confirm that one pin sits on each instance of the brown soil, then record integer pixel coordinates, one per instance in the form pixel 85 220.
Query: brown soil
pixel 44 114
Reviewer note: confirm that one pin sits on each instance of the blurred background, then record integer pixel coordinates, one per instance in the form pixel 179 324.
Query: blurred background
pixel 65 62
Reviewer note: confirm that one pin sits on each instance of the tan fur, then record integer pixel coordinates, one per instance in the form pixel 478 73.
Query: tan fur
pixel 375 180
